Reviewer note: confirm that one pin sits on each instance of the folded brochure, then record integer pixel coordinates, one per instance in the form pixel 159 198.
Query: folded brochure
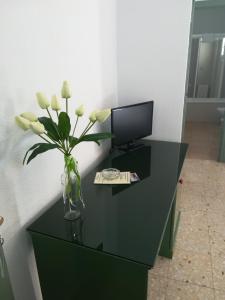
pixel 123 178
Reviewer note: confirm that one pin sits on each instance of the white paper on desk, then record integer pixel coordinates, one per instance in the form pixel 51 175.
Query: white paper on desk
pixel 123 178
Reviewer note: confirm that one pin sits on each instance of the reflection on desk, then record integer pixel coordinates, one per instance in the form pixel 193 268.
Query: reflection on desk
pixel 138 161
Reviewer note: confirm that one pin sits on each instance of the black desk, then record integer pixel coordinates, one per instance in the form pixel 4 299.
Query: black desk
pixel 107 255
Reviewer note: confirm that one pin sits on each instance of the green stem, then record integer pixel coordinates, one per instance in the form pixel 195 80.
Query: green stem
pixel 75 126
pixel 51 143
pixel 60 143
pixel 67 142
pixel 88 127
pixel 67 106
pixel 44 139
pixel 49 114
pixel 54 142
pixel 61 150
pixel 71 166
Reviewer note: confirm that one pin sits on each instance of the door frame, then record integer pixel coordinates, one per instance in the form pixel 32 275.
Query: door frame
pixel 188 70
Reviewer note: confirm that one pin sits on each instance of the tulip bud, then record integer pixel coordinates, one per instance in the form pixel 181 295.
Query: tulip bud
pixel 42 100
pixel 92 116
pixel 102 115
pixel 29 116
pixel 79 111
pixel 37 127
pixel 22 122
pixel 55 104
pixel 66 92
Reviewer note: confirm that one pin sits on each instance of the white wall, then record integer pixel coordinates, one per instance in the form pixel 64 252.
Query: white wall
pixel 43 43
pixel 153 38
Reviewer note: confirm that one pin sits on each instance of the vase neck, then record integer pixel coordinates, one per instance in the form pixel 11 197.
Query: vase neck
pixel 71 165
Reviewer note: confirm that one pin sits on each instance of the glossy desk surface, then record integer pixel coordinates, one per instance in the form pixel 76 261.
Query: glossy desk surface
pixel 128 220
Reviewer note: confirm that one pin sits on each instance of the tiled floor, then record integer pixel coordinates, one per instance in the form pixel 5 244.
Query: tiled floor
pixel 197 270
pixel 203 140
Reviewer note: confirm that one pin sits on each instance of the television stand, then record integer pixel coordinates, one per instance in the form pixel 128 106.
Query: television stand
pixel 131 146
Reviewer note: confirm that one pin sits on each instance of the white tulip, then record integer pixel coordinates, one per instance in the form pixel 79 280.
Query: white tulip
pixel 66 92
pixel 22 122
pixel 29 116
pixel 79 111
pixel 37 127
pixel 55 104
pixel 92 116
pixel 102 115
pixel 42 100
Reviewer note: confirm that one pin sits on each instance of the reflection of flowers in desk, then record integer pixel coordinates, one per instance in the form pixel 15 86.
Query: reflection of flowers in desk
pixel 74 230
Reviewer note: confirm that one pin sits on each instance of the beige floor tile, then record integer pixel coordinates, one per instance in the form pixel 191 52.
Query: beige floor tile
pixel 192 189
pixel 219 295
pixel 191 267
pixel 221 192
pixel 191 164
pixel 211 188
pixel 185 291
pixel 161 266
pixel 216 222
pixel 190 202
pixel 214 205
pixel 212 167
pixel 194 219
pixel 213 175
pixel 192 171
pixel 157 287
pixel 189 154
pixel 203 139
pixel 222 167
pixel 217 241
pixel 218 267
pixel 193 239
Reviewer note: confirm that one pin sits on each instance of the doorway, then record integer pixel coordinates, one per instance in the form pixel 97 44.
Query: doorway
pixel 205 87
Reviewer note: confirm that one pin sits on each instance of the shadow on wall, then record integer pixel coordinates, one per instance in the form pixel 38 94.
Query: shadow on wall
pixel 21 197
pixel 21 263
pixel 17 247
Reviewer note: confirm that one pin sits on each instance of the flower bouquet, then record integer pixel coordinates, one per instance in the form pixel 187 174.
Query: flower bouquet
pixel 57 133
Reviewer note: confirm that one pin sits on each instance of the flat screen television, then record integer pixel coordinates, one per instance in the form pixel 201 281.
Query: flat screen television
pixel 130 123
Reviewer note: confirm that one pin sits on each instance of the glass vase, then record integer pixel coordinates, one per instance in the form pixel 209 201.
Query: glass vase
pixel 72 194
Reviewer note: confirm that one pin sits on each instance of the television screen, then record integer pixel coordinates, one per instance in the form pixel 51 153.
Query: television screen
pixel 132 122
